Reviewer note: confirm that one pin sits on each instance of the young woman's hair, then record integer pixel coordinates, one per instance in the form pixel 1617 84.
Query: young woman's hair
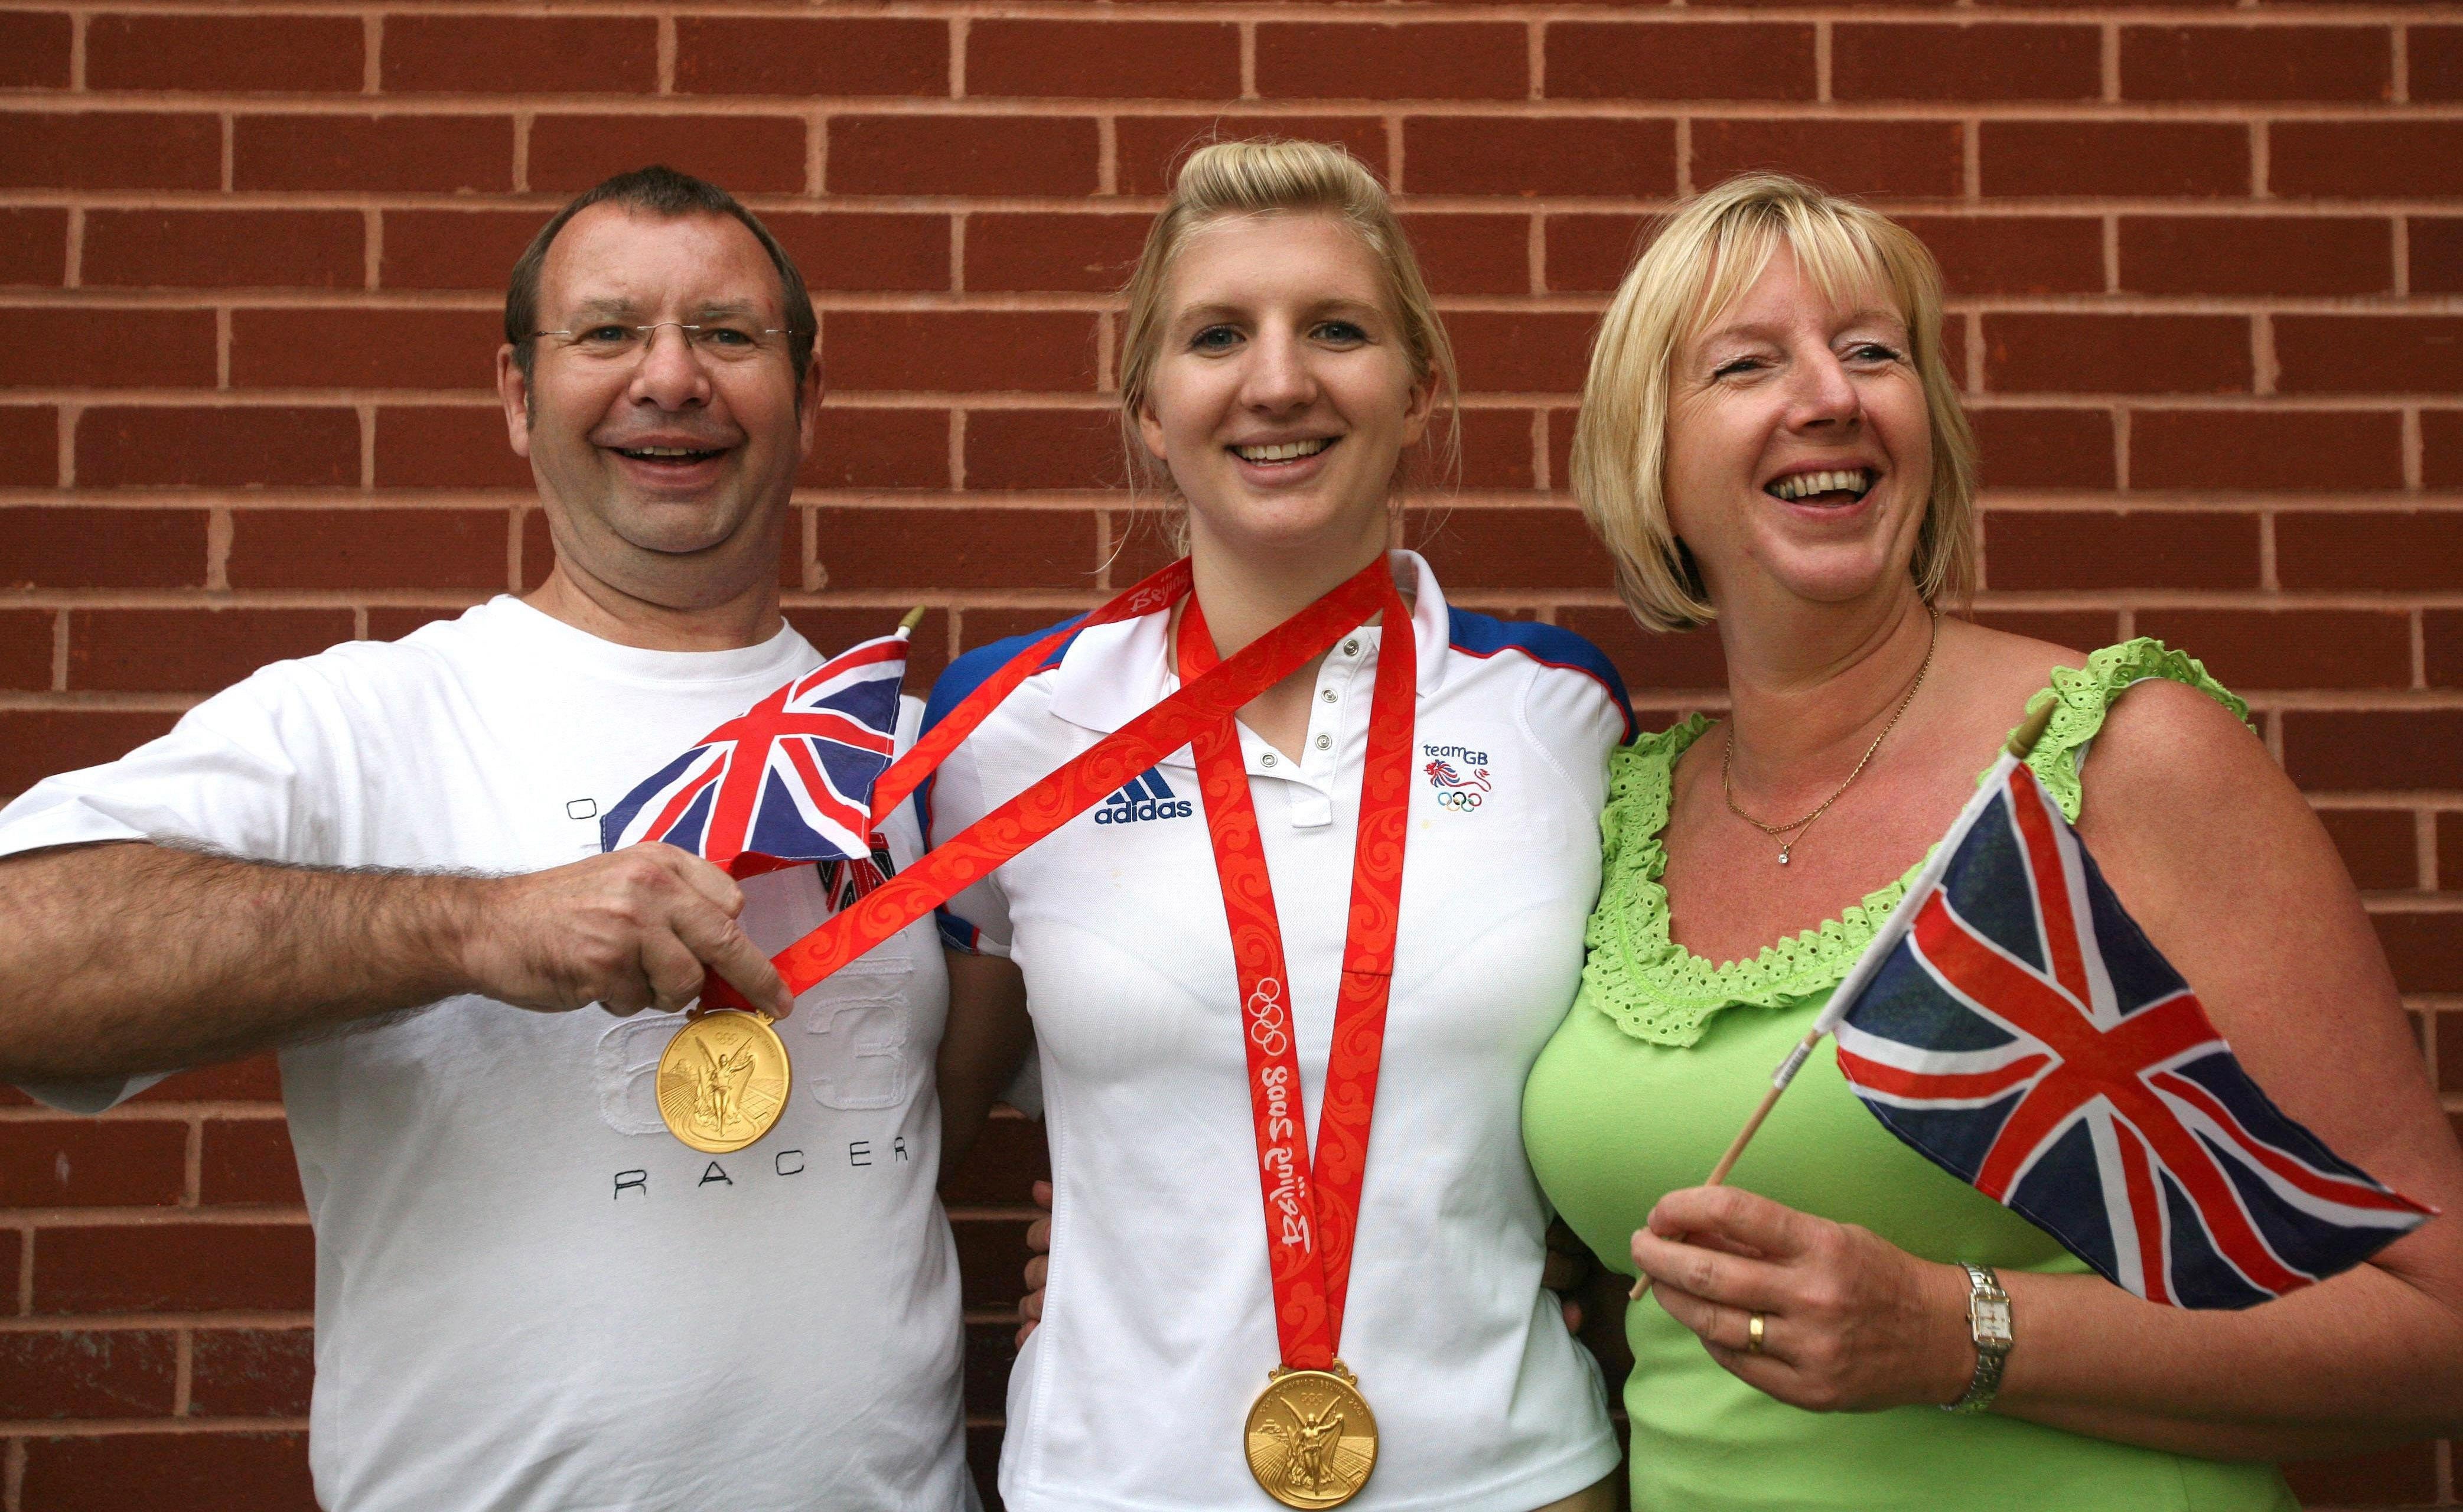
pixel 1702 259
pixel 1266 176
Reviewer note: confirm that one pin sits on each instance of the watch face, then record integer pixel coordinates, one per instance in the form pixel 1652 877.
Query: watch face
pixel 1991 1318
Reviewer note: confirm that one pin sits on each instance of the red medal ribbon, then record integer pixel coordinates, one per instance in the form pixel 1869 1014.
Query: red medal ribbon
pixel 1313 1206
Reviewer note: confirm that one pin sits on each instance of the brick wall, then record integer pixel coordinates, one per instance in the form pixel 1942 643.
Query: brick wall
pixel 2207 274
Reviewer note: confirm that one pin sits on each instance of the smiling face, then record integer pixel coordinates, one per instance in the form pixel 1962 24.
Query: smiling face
pixel 665 471
pixel 1282 395
pixel 1799 454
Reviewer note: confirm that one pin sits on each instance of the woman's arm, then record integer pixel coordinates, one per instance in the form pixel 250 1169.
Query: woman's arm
pixel 982 1047
pixel 2217 856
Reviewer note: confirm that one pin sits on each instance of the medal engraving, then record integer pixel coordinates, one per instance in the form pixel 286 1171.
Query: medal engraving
pixel 1312 1439
pixel 723 1080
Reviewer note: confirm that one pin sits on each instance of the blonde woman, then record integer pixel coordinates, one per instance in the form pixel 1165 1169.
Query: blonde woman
pixel 1770 443
pixel 1281 362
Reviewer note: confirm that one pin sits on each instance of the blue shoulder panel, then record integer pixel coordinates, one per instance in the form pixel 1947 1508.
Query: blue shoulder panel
pixel 963 676
pixel 1484 635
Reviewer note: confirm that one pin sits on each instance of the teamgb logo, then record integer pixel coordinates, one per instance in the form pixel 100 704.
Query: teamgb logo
pixel 1456 788
pixel 1144 797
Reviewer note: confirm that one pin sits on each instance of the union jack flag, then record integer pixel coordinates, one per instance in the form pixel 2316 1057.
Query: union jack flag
pixel 2024 1036
pixel 787 781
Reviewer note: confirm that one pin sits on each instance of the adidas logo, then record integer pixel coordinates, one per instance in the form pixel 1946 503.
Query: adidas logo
pixel 1144 797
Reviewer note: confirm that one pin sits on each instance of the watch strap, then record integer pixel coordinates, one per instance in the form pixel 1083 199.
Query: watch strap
pixel 1988 1324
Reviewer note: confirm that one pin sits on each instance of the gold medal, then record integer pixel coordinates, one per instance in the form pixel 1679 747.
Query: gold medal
pixel 1312 1438
pixel 723 1080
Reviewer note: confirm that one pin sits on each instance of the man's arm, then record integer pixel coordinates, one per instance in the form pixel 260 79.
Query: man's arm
pixel 129 957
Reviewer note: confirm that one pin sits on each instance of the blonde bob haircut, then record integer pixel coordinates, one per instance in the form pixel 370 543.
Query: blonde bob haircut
pixel 1268 176
pixel 1703 258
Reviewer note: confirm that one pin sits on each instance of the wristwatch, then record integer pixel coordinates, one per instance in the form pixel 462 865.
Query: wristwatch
pixel 1988 1322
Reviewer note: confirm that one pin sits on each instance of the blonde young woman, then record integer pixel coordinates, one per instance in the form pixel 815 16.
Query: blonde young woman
pixel 1281 362
pixel 1770 443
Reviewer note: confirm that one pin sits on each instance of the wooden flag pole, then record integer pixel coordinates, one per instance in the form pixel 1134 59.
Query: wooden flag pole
pixel 2020 746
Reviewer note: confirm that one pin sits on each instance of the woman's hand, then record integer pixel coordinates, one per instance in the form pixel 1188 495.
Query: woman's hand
pixel 1850 1322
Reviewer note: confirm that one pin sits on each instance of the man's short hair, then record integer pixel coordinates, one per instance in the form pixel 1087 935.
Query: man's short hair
pixel 661 192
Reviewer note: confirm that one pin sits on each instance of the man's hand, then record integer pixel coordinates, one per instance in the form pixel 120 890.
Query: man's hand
pixel 640 928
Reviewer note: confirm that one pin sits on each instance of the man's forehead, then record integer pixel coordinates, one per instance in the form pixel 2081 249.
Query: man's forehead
pixel 618 259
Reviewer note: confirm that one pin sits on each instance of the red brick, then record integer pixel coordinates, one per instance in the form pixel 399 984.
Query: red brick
pixel 538 551
pixel 1497 449
pixel 250 446
pixel 437 446
pixel 747 153
pixel 833 630
pixel 1150 148
pixel 1847 157
pixel 2369 551
pixel 985 352
pixel 111 151
pixel 991 1262
pixel 811 56
pixel 2442 632
pixel 2353 159
pixel 2248 254
pixel 2079 629
pixel 190 650
pixel 384 154
pixel 1652 661
pixel 391 624
pixel 2425 950
pixel 2395 749
pixel 2437 252
pixel 1616 61
pixel 71 547
pixel 960 155
pixel 106 1372
pixel 33 244
pixel 364 348
pixel 1504 550
pixel 2441 438
pixel 29 446
pixel 224 249
pixel 26 648
pixel 248 1160
pixel 1035 251
pixel 215 1471
pixel 1986 254
pixel 1466 255
pixel 2130 353
pixel 1044 448
pixel 1522 352
pixel 2450 877
pixel 1142 541
pixel 1386 60
pixel 1104 59
pixel 226 54
pixel 2024 158
pixel 90 1163
pixel 363 548
pixel 453 249
pixel 2039 550
pixel 251 1372
pixel 2433 58
pixel 1002 1168
pixel 2402 1477
pixel 2249 648
pixel 1505 155
pixel 864 547
pixel 879 449
pixel 35 49
pixel 511 54
pixel 1591 253
pixel 2368 353
pixel 173 1267
pixel 1990 60
pixel 865 253
pixel 2266 449
pixel 2256 62
pixel 258 1078
pixel 2377 844
pixel 36 743
pixel 1561 446
pixel 89 348
pixel 2044 449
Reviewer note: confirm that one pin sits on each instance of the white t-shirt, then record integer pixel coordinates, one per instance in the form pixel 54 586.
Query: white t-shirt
pixel 1158 1327
pixel 528 1294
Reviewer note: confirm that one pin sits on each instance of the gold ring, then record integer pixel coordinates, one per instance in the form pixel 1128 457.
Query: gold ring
pixel 1753 1333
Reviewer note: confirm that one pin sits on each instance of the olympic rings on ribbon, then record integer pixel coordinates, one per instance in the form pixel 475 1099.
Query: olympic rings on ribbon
pixel 1461 800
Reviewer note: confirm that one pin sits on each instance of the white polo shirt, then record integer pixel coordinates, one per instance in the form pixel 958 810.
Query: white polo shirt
pixel 1158 1327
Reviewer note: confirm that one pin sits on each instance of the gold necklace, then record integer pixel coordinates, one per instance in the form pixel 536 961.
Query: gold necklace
pixel 1728 752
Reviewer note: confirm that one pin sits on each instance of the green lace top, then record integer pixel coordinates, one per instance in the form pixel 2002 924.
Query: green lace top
pixel 1656 990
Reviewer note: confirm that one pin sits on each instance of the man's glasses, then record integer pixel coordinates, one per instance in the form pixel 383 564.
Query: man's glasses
pixel 711 340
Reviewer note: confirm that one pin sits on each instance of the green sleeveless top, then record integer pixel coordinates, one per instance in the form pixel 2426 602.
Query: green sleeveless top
pixel 1655 1068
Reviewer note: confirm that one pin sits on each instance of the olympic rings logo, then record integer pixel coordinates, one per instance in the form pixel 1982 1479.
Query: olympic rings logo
pixel 1265 1015
pixel 1461 800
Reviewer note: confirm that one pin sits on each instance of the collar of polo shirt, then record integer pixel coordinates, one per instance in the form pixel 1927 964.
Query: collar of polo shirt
pixel 1114 672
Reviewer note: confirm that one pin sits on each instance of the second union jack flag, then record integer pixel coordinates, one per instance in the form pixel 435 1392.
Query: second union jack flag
pixel 787 781
pixel 2026 1036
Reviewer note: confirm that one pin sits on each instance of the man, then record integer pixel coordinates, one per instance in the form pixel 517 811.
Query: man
pixel 528 1294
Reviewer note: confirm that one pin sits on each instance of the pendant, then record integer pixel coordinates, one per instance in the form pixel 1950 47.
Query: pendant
pixel 1312 1439
pixel 723 1080
pixel 1783 853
